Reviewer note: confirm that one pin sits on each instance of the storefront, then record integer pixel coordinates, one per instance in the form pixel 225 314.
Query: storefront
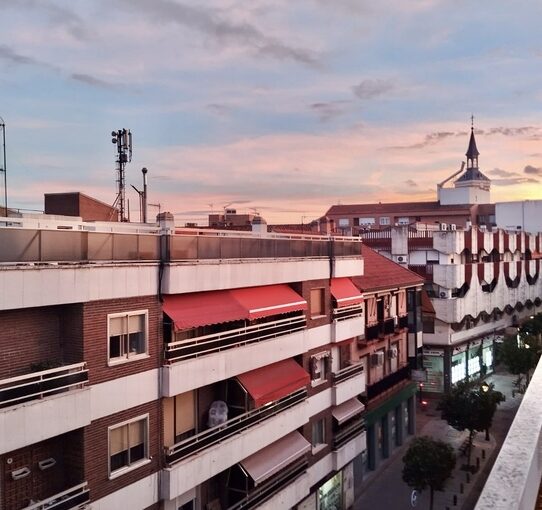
pixel 433 363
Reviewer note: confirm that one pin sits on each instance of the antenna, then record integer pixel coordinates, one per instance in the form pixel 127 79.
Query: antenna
pixel 156 205
pixel 123 139
pixel 3 169
pixel 142 197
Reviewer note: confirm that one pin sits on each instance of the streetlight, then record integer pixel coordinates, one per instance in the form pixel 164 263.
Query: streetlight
pixel 484 387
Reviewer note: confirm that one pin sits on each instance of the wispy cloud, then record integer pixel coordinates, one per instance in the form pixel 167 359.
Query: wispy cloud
pixel 502 173
pixel 215 25
pixel 8 54
pixel 372 88
pixel 92 81
pixel 411 183
pixel 430 139
pixel 331 109
pixel 513 181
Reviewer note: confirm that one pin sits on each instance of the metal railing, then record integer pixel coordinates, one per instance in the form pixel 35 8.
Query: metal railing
pixel 231 427
pixel 402 322
pixel 373 390
pixel 348 312
pixel 76 497
pixel 348 432
pixel 216 342
pixel 36 385
pixel 347 372
pixel 275 484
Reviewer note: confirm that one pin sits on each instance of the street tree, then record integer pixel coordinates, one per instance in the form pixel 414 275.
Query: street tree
pixel 489 399
pixel 520 357
pixel 428 464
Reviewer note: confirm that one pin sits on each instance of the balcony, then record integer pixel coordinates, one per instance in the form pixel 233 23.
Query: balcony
pixel 238 424
pixel 379 387
pixel 217 342
pixel 273 488
pixel 402 322
pixel 347 323
pixel 348 383
pixel 44 404
pixel 199 458
pixel 75 498
pixel 345 434
pixel 387 326
pixel 349 442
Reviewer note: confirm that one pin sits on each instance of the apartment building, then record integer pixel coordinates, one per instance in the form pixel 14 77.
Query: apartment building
pixel 150 367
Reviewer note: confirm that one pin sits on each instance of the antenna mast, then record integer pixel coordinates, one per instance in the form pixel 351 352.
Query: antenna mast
pixel 123 139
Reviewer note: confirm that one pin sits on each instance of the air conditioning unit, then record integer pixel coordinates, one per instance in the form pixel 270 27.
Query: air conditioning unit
pixel 402 258
pixel 392 353
pixel 377 359
pixel 453 226
pixel 444 226
pixel 442 294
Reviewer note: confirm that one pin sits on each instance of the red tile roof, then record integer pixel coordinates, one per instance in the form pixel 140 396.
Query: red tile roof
pixel 382 273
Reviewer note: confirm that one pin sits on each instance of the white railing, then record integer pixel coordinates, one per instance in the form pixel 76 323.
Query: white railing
pixel 514 481
pixel 76 497
pixel 216 342
pixel 348 312
pixel 41 384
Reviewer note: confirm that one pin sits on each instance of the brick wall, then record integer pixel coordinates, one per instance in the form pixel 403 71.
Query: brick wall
pixel 97 450
pixel 304 289
pixel 66 473
pixel 96 340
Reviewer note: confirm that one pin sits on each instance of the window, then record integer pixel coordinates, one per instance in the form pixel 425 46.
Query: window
pixel 344 222
pixel 317 302
pixel 128 445
pixel 319 367
pixel 127 335
pixel 366 221
pixel 318 433
pixel 403 220
pixel 384 220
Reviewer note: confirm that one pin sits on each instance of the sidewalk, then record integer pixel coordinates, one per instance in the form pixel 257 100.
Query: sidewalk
pixel 387 490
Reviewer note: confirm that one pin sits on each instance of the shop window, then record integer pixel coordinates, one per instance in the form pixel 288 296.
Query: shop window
pixel 128 445
pixel 127 335
pixel 318 433
pixel 318 308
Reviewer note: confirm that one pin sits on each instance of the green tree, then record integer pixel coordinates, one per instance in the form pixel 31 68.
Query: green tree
pixel 459 408
pixel 489 399
pixel 428 463
pixel 520 357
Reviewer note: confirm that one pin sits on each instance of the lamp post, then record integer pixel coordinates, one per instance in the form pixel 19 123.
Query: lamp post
pixel 3 126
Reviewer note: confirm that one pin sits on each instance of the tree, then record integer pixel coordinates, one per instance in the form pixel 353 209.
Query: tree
pixel 428 463
pixel 489 399
pixel 459 408
pixel 520 357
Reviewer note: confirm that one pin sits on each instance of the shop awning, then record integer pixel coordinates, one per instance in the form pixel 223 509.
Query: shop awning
pixel 345 292
pixel 274 381
pixel 269 461
pixel 347 410
pixel 214 307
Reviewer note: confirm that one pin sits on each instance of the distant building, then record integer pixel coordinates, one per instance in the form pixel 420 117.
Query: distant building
pixel 80 205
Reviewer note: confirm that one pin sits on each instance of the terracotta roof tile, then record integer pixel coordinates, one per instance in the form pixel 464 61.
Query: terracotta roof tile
pixel 397 207
pixel 382 273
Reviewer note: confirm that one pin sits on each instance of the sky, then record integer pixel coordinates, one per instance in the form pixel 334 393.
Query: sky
pixel 271 106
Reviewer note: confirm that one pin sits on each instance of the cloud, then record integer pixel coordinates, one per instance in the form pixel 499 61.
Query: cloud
pixel 411 183
pixel 91 80
pixel 329 110
pixel 510 131
pixel 213 24
pixel 220 109
pixel 372 88
pixel 532 170
pixel 502 173
pixel 513 181
pixel 430 139
pixel 10 55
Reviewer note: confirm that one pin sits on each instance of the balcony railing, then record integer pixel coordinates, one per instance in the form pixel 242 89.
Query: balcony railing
pixel 348 432
pixel 242 422
pixel 275 484
pixel 387 326
pixel 373 390
pixel 37 385
pixel 216 342
pixel 347 372
pixel 76 497
pixel 372 332
pixel 402 322
pixel 347 312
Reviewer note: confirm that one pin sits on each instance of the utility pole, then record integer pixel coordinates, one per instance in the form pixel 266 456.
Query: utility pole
pixel 4 168
pixel 143 197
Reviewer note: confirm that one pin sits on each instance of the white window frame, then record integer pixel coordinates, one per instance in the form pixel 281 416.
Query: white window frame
pixel 323 359
pixel 127 357
pixel 126 469
pixel 385 220
pixel 319 446
pixel 344 222
pixel 367 221
pixel 403 220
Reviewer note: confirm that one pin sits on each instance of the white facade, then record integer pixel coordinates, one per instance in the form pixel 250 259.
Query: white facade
pixel 523 215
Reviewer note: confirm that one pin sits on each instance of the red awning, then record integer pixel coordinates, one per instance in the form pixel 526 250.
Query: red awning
pixel 213 307
pixel 273 382
pixel 345 292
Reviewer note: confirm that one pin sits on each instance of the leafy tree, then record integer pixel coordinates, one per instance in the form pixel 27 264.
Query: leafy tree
pixel 428 463
pixel 520 357
pixel 489 399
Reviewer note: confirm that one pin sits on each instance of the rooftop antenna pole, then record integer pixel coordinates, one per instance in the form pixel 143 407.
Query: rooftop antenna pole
pixel 143 197
pixel 123 139
pixel 4 169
